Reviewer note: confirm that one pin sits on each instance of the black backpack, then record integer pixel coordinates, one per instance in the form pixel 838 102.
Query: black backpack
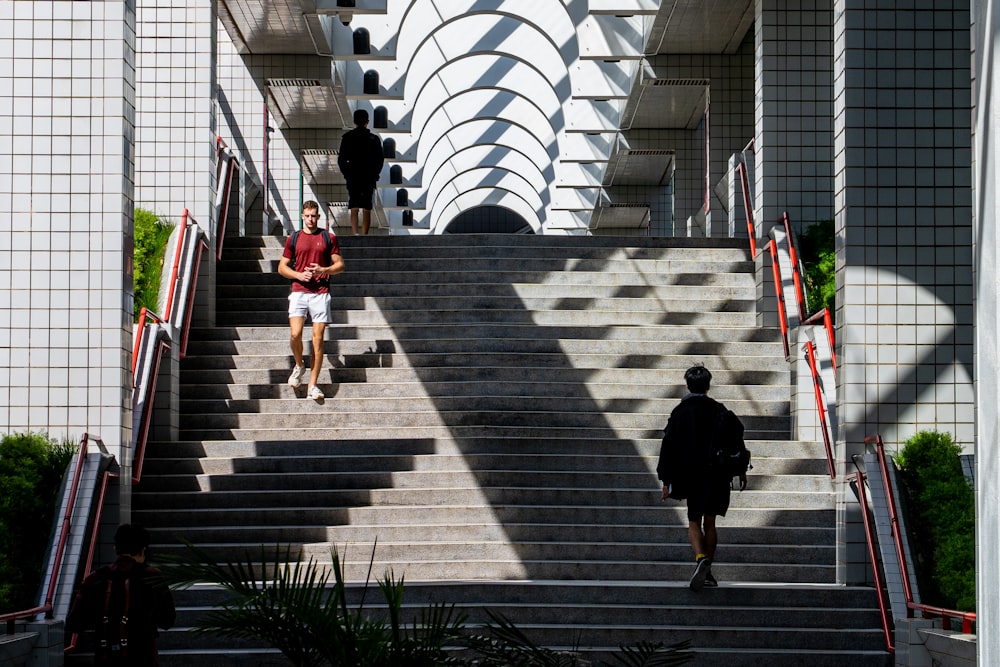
pixel 115 591
pixel 729 454
pixel 295 238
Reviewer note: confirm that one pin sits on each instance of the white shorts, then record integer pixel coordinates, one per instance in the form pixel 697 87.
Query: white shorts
pixel 317 306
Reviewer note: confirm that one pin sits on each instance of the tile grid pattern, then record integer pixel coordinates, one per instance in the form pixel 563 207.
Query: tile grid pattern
pixel 67 76
pixel 904 217
pixel 904 226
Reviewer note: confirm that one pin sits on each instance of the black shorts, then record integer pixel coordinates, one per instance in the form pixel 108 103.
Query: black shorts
pixel 360 195
pixel 709 499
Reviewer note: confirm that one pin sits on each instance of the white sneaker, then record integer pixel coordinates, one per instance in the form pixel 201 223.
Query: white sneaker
pixel 315 393
pixel 295 379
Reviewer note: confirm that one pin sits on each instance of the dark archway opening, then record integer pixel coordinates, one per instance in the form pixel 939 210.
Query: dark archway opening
pixel 488 220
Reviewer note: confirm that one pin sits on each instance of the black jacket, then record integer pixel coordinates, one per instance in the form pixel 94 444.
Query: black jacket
pixel 687 447
pixel 360 157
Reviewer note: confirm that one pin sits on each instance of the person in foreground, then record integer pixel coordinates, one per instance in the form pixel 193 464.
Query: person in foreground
pixel 124 603
pixel 697 428
pixel 310 257
pixel 360 159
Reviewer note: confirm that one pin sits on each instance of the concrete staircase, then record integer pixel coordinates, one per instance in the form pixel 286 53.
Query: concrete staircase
pixel 493 414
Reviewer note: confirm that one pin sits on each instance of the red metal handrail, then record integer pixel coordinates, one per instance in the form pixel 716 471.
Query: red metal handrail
pixel 11 619
pixel 927 611
pixel 178 251
pixel 144 314
pixel 191 295
pixel 147 413
pixel 741 168
pixel 880 591
pixel 810 350
pixel 95 526
pixel 224 208
pixel 780 295
pixel 796 274
pixel 828 325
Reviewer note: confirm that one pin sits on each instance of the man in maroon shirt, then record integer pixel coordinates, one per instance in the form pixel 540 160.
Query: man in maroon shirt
pixel 310 257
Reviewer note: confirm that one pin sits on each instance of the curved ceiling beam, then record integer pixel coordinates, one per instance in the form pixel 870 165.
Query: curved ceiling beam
pixel 486 71
pixel 447 154
pixel 504 106
pixel 480 178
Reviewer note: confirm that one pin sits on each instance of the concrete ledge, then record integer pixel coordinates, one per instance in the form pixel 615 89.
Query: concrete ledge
pixel 15 650
pixel 950 648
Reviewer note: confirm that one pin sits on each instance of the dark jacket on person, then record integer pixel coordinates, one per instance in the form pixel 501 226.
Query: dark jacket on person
pixel 686 450
pixel 361 157
pixel 150 605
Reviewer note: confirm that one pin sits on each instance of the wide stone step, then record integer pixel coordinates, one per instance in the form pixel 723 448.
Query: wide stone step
pixel 276 313
pixel 471 550
pixel 564 283
pixel 714 355
pixel 154 480
pixel 561 380
pixel 546 408
pixel 488 269
pixel 702 341
pixel 293 513
pixel 480 463
pixel 392 308
pixel 363 388
pixel 765 429
pixel 251 537
pixel 326 416
pixel 541 499
pixel 414 449
pixel 727 372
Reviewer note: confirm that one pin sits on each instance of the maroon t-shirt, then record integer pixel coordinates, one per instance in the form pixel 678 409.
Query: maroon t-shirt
pixel 312 249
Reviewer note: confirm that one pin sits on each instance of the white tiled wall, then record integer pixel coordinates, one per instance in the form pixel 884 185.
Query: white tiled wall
pixel 174 119
pixel 904 220
pixel 66 181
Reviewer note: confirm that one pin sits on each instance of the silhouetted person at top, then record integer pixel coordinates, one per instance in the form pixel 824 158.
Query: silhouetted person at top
pixel 360 160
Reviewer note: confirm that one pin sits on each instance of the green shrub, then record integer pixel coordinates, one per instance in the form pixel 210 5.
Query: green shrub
pixel 31 470
pixel 942 508
pixel 818 254
pixel 151 237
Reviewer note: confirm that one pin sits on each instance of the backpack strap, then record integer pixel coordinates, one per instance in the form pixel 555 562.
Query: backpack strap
pixel 123 622
pixel 106 616
pixel 291 247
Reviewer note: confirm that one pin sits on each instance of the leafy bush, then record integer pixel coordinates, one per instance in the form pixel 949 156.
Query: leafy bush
pixel 31 470
pixel 943 508
pixel 818 254
pixel 151 237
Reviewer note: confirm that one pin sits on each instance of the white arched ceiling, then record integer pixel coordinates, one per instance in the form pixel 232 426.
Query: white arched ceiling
pixel 448 155
pixel 507 158
pixel 480 180
pixel 507 80
pixel 486 197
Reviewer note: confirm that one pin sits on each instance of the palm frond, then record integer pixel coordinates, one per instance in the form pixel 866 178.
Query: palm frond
pixel 648 654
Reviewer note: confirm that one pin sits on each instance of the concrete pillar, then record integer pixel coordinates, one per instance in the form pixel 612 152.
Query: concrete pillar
pixel 904 226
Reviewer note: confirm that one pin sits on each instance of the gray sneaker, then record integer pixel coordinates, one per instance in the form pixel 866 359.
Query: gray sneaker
pixel 295 379
pixel 701 572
